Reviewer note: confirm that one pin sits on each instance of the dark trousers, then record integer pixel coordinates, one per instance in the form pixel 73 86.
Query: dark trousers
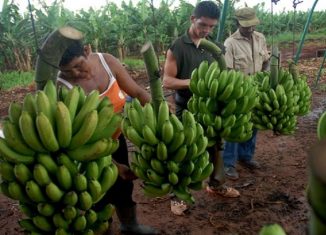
pixel 239 151
pixel 179 109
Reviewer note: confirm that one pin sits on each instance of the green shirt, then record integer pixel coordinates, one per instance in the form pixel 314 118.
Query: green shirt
pixel 188 57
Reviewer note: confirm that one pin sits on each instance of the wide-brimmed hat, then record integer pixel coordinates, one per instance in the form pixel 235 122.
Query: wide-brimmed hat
pixel 246 17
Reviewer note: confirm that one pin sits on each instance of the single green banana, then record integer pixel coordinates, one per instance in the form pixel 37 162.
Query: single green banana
pixel 85 200
pixel 64 125
pixel 43 106
pixel 104 117
pixel 14 112
pixel 14 138
pixel 80 182
pixel 71 101
pixel 29 105
pixel 29 132
pixel 63 159
pixel 34 191
pixel 150 117
pixel 45 209
pixel 41 175
pixel 89 152
pixel 91 103
pixel 64 177
pixel 42 223
pixel 7 171
pixel 11 156
pixel 70 198
pixel 53 192
pixel 92 170
pixel 86 130
pixel 51 92
pixel 16 191
pixel 46 133
pixel 48 162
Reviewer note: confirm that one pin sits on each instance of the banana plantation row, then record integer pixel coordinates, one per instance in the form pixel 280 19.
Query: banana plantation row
pixel 120 30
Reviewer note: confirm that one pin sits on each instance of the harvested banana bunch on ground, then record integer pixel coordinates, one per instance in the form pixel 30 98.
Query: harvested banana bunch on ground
pixel 55 159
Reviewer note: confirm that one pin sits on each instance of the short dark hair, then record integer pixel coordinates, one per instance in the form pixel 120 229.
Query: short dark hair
pixel 207 9
pixel 76 49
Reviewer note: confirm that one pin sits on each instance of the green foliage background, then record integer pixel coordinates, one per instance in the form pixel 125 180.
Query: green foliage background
pixel 123 29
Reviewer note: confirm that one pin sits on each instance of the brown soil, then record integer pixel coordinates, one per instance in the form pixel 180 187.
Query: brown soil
pixel 273 194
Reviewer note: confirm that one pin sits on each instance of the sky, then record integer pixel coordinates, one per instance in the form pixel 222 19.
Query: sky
pixel 281 5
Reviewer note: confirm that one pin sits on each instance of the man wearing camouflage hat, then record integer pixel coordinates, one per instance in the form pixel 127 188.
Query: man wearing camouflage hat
pixel 246 51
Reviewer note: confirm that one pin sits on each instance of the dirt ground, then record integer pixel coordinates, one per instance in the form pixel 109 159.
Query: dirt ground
pixel 273 194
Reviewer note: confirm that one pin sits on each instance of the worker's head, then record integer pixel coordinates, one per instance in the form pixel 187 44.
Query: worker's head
pixel 246 20
pixel 204 18
pixel 74 62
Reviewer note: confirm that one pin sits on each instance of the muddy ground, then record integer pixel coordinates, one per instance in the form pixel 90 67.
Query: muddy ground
pixel 273 194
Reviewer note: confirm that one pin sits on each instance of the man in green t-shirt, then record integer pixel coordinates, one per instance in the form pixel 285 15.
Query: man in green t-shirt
pixel 182 58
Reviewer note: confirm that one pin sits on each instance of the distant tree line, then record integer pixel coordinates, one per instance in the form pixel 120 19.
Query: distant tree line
pixel 120 30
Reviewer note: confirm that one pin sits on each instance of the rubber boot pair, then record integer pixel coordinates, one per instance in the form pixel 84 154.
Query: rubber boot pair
pixel 129 224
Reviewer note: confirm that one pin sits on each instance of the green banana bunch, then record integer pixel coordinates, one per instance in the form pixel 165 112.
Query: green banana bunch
pixel 305 94
pixel 279 107
pixel 302 88
pixel 223 106
pixel 56 159
pixel 167 149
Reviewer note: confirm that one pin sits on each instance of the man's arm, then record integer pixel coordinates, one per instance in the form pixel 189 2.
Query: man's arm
pixel 125 81
pixel 229 57
pixel 124 171
pixel 170 81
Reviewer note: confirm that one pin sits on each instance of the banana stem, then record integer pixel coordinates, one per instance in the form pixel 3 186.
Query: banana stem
pixel 49 56
pixel 293 69
pixel 274 67
pixel 153 73
pixel 217 160
pixel 317 189
pixel 215 50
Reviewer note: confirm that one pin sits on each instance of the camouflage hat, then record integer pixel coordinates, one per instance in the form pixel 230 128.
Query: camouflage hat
pixel 246 17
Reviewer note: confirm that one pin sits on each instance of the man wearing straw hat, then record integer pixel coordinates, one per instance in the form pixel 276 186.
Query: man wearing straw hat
pixel 246 51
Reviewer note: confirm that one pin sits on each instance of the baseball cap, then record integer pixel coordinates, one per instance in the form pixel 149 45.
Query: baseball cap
pixel 246 17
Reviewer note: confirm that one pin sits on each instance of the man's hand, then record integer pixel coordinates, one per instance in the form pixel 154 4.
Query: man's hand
pixel 125 173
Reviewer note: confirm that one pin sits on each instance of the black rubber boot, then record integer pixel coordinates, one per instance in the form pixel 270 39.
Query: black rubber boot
pixel 129 224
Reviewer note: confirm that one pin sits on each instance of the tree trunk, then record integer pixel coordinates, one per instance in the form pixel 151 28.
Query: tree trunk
pixel 18 62
pixel 120 51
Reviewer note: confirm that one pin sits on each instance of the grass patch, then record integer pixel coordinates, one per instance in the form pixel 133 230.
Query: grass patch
pixel 134 63
pixel 138 63
pixel 9 80
pixel 287 37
